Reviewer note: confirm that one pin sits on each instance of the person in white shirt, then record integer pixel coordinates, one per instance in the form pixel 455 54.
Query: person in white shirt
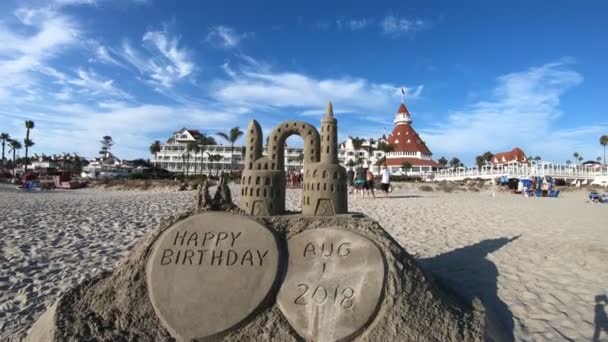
pixel 386 180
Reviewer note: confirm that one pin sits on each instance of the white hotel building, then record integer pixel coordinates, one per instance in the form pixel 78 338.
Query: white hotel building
pixel 407 147
pixel 173 155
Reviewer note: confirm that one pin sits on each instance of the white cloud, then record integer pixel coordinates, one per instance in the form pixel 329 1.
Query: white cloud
pixel 165 62
pixel 225 36
pixel 265 89
pixel 523 111
pixel 91 84
pixel 352 24
pixel 395 26
pixel 22 56
pixel 78 128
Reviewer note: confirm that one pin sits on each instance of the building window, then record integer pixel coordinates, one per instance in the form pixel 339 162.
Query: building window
pixel 398 133
pixel 397 141
pixel 409 141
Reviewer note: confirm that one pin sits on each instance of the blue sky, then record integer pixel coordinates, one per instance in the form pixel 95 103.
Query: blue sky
pixel 479 75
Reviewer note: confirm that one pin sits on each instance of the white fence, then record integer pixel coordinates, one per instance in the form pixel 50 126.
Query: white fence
pixel 518 171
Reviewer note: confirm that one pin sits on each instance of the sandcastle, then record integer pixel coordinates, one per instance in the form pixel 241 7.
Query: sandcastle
pixel 324 190
pixel 253 272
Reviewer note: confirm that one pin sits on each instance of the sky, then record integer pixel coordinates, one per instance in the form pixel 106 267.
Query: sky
pixel 478 75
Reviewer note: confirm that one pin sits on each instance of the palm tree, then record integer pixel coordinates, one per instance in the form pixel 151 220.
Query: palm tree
pixel 214 158
pixel 442 161
pixel 234 134
pixel 205 141
pixel 4 137
pixel 14 146
pixel 575 155
pixel 406 166
pixel 192 147
pixel 29 124
pixel 580 159
pixel 604 143
pixel 351 163
pixel 154 149
pixel 568 162
pixel 357 142
pixel 455 162
pixel 27 143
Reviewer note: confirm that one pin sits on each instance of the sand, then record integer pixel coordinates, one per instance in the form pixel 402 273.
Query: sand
pixel 538 263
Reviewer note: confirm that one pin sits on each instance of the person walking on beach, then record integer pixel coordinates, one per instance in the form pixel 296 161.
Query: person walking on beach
pixel 350 177
pixel 386 180
pixel 601 319
pixel 370 183
pixel 359 182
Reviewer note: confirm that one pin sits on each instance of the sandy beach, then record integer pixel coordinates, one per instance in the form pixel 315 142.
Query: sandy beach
pixel 536 263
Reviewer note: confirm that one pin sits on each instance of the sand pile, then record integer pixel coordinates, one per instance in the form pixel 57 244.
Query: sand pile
pixel 115 306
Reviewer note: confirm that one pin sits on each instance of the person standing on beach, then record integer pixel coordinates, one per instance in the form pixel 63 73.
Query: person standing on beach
pixel 360 182
pixel 350 177
pixel 386 180
pixel 370 183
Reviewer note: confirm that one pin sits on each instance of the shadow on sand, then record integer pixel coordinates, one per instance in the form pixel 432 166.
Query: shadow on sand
pixel 601 319
pixel 467 271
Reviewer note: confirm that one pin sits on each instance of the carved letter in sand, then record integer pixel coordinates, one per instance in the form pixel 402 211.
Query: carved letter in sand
pixel 207 273
pixel 333 285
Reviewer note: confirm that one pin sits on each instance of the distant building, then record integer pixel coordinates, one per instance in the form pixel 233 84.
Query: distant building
pixel 405 145
pixel 515 156
pixel 175 157
pixel 106 165
pixel 408 147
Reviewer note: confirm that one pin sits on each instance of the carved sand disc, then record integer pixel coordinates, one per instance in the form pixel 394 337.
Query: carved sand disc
pixel 333 284
pixel 210 271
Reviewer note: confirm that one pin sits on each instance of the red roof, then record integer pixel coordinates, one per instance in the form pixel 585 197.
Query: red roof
pixel 413 161
pixel 402 109
pixel 405 139
pixel 514 155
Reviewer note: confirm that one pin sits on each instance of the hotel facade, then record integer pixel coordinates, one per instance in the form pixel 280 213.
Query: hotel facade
pixel 406 149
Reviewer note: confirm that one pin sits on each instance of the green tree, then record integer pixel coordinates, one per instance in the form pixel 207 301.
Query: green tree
pixel 479 161
pixel 455 162
pixel 4 137
pixel 232 136
pixel 442 161
pixel 537 158
pixel 487 156
pixel 205 141
pixel 604 143
pixel 106 144
pixel 29 125
pixel 214 158
pixel 580 159
pixel 575 155
pixel 351 163
pixel 154 149
pixel 192 147
pixel 385 147
pixel 407 166
pixel 599 159
pixel 14 146
pixel 568 162
pixel 381 161
pixel 357 142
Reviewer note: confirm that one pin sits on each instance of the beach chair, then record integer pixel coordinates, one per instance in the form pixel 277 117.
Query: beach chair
pixel 539 193
pixel 557 193
pixel 551 193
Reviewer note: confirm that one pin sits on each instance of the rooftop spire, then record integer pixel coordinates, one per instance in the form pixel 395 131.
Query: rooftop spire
pixel 330 111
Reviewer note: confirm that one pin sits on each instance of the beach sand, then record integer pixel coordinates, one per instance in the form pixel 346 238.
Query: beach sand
pixel 536 263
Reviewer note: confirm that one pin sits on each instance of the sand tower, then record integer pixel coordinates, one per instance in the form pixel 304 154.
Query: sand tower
pixel 324 185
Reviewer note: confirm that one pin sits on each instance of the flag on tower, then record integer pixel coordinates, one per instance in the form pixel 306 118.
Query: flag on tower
pixel 402 91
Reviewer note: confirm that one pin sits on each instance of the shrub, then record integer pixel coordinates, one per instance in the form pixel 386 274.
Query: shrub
pixel 426 188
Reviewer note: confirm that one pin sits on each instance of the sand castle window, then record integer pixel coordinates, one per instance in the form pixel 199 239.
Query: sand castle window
pixel 257 192
pixel 332 188
pixel 324 173
pixel 257 180
pixel 267 181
